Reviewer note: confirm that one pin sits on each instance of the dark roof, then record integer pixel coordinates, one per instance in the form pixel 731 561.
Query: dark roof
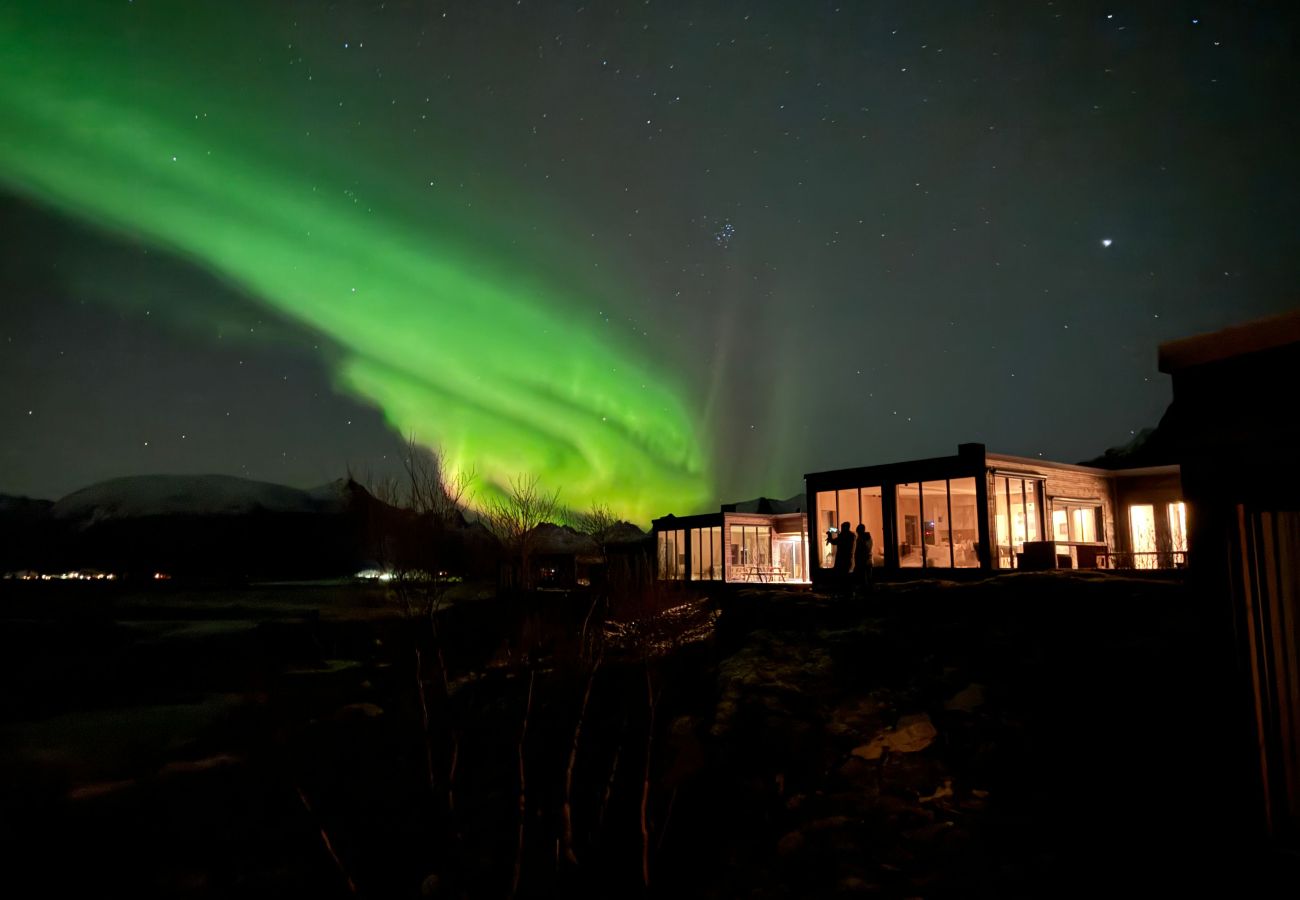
pixel 767 506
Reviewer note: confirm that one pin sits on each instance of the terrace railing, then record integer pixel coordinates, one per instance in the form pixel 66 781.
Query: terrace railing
pixel 1153 559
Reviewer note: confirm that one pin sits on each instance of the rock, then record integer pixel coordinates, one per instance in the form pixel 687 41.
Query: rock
pixel 852 884
pixel 944 790
pixel 791 843
pixel 968 699
pixel 927 832
pixel 827 823
pixel 858 717
pixel 194 766
pixel 912 734
pixel 99 789
pixel 355 712
pixel 854 767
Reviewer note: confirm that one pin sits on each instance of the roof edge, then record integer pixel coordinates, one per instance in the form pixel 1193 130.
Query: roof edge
pixel 1236 340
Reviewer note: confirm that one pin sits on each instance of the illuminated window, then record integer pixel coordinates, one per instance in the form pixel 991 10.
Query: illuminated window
pixel 672 555
pixel 1178 527
pixel 910 553
pixel 965 522
pixel 827 518
pixel 1075 522
pixel 853 505
pixel 1142 534
pixel 1016 516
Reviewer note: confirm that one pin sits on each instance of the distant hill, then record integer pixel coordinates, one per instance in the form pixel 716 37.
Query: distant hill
pixel 142 496
pixel 1149 447
pixel 196 525
pixel 226 528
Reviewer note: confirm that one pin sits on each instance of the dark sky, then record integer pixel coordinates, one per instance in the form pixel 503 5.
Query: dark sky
pixel 661 254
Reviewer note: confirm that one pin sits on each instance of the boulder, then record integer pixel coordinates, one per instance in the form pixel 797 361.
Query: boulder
pixel 912 734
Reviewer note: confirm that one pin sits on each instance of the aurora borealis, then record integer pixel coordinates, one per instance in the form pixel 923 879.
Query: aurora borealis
pixel 661 255
pixel 455 351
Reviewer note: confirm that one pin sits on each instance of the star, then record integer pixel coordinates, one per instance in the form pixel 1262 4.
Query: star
pixel 1106 242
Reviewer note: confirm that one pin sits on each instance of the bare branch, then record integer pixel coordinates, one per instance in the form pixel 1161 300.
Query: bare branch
pixel 596 520
pixel 432 488
pixel 514 515
pixel 523 794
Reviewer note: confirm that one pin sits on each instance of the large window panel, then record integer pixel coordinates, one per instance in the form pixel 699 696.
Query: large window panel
pixel 1075 522
pixel 1142 533
pixel 1017 516
pixel 787 554
pixel 1002 521
pixel 1032 531
pixel 910 554
pixel 827 518
pixel 715 549
pixel 964 504
pixel 672 555
pixel 706 554
pixel 848 508
pixel 936 525
pixel 1178 527
pixel 872 502
pixel 750 553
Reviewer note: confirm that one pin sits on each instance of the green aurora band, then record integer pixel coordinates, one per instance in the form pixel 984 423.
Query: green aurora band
pixel 498 370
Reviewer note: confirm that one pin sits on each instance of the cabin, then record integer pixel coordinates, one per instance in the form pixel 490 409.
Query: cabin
pixel 974 510
pixel 761 541
pixel 981 510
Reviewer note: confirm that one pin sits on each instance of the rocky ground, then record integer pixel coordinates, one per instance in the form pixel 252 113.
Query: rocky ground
pixel 1032 734
pixel 1027 735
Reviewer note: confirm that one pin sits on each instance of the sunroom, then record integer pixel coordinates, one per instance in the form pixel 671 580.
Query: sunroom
pixel 738 545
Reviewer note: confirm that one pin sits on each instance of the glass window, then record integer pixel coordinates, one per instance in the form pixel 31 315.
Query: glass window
pixel 848 508
pixel 1083 524
pixel 788 557
pixel 750 555
pixel 1002 521
pixel 1060 524
pixel 1178 527
pixel 759 541
pixel 1016 503
pixel 827 518
pixel 1016 516
pixel 672 554
pixel 706 554
pixel 964 508
pixel 909 526
pixel 696 555
pixel 936 525
pixel 1142 532
pixel 1075 522
pixel 715 547
pixel 872 500
pixel 1032 532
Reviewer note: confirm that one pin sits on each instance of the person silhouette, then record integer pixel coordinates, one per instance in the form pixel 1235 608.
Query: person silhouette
pixel 843 541
pixel 862 554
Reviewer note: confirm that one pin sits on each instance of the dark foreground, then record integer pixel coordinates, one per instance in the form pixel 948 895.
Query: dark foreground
pixel 1038 735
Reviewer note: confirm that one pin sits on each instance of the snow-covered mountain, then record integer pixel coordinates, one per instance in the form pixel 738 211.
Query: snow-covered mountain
pixel 141 496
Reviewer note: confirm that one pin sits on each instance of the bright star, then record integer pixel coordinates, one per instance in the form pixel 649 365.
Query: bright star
pixel 1106 242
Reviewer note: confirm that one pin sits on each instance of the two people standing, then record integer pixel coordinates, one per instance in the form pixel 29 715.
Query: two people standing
pixel 852 558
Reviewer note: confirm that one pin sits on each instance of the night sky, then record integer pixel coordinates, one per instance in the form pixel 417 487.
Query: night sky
pixel 660 254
